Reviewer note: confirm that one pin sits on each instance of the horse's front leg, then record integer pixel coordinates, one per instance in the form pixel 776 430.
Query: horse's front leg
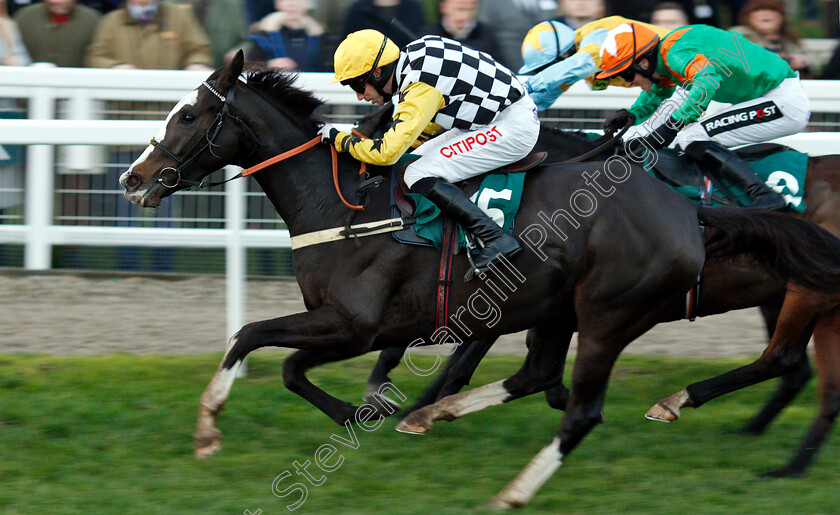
pixel 388 360
pixel 322 331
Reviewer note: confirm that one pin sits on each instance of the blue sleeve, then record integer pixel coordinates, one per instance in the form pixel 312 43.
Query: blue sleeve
pixel 544 87
pixel 596 37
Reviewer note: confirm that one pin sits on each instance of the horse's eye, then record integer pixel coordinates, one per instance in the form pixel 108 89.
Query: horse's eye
pixel 187 117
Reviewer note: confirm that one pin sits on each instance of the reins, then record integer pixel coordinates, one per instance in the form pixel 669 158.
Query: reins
pixel 608 144
pixel 192 154
pixel 302 148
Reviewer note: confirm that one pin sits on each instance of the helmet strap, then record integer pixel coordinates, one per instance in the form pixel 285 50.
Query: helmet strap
pixel 380 82
pixel 650 55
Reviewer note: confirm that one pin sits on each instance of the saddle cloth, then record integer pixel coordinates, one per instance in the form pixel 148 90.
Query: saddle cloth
pixel 781 167
pixel 497 194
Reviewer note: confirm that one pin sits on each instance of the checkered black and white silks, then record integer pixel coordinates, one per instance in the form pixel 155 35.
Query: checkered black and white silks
pixel 475 87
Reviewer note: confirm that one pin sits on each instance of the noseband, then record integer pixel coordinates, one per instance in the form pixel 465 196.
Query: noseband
pixel 171 177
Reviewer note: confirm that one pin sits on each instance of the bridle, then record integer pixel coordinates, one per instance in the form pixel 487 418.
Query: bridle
pixel 170 177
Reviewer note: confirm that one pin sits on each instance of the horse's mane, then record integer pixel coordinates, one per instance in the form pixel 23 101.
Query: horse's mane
pixel 280 86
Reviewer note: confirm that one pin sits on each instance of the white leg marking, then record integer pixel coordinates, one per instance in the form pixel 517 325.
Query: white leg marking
pixel 522 489
pixel 477 399
pixel 219 388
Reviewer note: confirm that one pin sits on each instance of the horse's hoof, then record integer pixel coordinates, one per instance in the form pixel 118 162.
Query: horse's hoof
pixel 499 503
pixel 662 413
pixel 207 444
pixel 750 430
pixel 413 425
pixel 782 472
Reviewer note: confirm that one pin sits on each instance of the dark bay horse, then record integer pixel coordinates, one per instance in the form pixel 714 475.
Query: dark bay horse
pixel 821 193
pixel 618 265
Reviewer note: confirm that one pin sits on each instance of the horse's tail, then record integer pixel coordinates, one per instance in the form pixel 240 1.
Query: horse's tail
pixel 795 249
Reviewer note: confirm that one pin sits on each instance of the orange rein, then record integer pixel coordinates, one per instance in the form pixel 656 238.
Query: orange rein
pixel 302 148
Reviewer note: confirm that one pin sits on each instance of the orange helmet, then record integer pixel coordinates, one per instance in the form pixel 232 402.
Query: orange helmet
pixel 624 45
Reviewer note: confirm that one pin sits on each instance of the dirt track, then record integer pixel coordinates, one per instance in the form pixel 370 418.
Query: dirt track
pixel 66 314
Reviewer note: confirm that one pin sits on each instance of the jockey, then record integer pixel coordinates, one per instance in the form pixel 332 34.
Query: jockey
pixel 557 57
pixel 488 120
pixel 710 64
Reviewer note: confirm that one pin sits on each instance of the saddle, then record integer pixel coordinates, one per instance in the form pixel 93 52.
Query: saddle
pixel 403 206
pixel 406 204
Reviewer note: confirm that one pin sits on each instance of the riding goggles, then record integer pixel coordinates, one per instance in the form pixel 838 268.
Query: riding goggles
pixel 628 74
pixel 357 84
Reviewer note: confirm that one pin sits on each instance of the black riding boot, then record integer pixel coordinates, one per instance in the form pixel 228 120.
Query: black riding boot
pixel 728 166
pixel 453 202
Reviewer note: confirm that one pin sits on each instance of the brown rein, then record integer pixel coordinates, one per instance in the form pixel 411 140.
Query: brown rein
pixel 302 148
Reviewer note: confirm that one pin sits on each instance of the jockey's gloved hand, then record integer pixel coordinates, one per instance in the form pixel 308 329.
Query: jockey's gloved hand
pixel 663 136
pixel 660 138
pixel 618 120
pixel 328 133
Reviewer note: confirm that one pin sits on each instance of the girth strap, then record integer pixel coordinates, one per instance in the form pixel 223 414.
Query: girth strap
pixel 345 233
pixel 447 254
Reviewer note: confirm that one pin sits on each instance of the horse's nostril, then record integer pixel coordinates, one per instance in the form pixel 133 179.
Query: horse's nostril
pixel 132 181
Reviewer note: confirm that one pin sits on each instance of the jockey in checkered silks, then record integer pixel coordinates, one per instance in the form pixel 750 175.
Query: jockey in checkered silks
pixel 477 109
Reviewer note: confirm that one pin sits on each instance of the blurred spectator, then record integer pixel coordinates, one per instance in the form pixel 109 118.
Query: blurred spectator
pixel 12 6
pixel 256 10
pixel 225 23
pixel 58 31
pixel 832 18
pixel 331 14
pixel 763 22
pixel 458 21
pixel 577 13
pixel 669 15
pixel 12 49
pixel 510 21
pixel 377 14
pixel 643 10
pixel 288 39
pixel 832 68
pixel 711 13
pixel 101 6
pixel 149 34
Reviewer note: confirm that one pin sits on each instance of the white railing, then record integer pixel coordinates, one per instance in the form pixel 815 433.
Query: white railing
pixel 83 88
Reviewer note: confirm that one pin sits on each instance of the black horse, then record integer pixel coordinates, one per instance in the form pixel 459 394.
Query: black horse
pixel 822 196
pixel 610 261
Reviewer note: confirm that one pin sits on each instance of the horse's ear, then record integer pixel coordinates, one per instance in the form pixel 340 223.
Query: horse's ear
pixel 231 72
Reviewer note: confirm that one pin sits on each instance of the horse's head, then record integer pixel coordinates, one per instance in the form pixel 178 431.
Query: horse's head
pixel 200 136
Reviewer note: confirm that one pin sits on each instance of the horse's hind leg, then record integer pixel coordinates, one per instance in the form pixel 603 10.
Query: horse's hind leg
pixel 457 374
pixel 543 369
pixel 789 387
pixel 800 313
pixel 827 347
pixel 388 360
pixel 790 384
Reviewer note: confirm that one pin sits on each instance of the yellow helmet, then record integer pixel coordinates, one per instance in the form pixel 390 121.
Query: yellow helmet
pixel 361 53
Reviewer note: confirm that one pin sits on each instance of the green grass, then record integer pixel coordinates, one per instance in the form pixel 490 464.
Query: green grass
pixel 113 434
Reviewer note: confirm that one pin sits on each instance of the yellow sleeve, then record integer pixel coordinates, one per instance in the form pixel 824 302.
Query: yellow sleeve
pixel 418 105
